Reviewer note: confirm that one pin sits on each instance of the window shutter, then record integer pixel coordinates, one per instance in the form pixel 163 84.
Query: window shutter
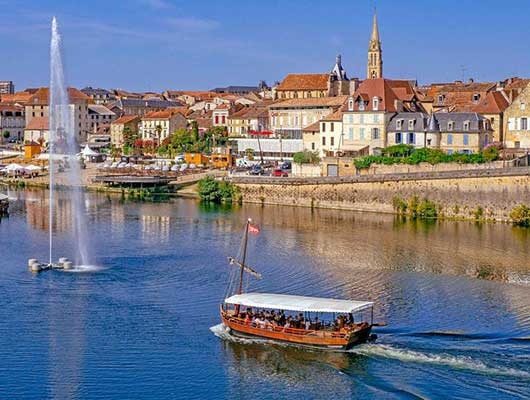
pixel 518 124
pixel 511 122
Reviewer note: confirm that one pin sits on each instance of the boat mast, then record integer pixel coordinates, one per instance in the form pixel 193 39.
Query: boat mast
pixel 243 258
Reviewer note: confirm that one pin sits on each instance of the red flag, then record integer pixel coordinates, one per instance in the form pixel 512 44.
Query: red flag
pixel 253 229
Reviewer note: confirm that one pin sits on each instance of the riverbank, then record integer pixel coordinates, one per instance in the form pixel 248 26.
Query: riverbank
pixel 484 195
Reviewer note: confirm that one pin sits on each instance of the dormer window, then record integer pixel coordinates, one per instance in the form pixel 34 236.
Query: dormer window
pixel 350 105
pixel 361 105
pixel 399 124
pixel 466 125
pixel 441 99
pixel 450 126
pixel 411 124
pixel 375 103
pixel 476 97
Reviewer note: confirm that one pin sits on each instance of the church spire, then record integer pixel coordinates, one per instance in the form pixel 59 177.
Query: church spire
pixel 375 54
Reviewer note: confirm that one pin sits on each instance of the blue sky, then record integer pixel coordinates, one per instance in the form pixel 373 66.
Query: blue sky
pixel 171 44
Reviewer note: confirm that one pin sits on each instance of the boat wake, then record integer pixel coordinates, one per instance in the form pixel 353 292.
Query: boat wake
pixel 223 332
pixel 84 269
pixel 457 362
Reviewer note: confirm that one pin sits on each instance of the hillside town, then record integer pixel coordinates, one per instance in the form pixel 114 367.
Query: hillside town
pixel 325 120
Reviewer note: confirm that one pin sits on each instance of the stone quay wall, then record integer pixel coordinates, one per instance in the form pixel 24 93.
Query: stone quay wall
pixel 457 194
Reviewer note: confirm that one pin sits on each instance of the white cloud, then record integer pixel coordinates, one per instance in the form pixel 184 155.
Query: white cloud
pixel 193 24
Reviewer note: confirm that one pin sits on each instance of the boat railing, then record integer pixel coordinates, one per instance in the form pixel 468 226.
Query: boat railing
pixel 292 331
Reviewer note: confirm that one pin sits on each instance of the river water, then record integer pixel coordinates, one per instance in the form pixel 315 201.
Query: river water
pixel 145 323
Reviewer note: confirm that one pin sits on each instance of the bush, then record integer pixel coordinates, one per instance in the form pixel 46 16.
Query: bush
pixel 520 215
pixel 478 213
pixel 398 150
pixel 399 205
pixel 306 157
pixel 426 209
pixel 215 191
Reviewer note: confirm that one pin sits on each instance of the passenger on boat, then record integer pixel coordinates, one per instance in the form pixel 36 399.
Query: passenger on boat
pixel 307 324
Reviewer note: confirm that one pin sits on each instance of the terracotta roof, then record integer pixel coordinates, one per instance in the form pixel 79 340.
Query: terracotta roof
pixel 125 119
pixel 314 127
pixel 185 111
pixel 223 106
pixel 492 103
pixel 336 116
pixel 19 97
pixel 42 96
pixel 516 83
pixel 304 82
pixel 204 122
pixel 312 102
pixel 386 90
pixel 250 113
pixel 38 124
pixel 159 115
pixel 11 107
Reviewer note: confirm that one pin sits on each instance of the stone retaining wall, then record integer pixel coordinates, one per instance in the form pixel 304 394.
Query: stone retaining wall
pixel 458 194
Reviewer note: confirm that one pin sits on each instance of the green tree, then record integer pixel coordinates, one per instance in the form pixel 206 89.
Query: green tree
pixel 6 134
pixel 306 157
pixel 520 215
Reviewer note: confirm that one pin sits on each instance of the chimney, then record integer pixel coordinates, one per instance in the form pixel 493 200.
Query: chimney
pixel 471 80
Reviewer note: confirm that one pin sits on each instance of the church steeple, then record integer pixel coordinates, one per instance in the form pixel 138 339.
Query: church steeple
pixel 375 54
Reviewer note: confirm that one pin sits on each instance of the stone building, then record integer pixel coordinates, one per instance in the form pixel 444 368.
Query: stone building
pixel 411 128
pixel 158 125
pixel 247 120
pixel 461 132
pixel 12 120
pixel 517 121
pixel 331 134
pixel 99 96
pixel 98 116
pixel 37 106
pixel 118 126
pixel 126 106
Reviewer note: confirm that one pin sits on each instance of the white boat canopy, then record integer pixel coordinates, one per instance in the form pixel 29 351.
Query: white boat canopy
pixel 298 303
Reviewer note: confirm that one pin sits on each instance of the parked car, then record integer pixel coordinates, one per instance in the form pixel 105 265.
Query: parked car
pixel 286 165
pixel 256 170
pixel 279 172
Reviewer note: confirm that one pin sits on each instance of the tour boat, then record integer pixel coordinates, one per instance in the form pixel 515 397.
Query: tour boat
pixel 236 311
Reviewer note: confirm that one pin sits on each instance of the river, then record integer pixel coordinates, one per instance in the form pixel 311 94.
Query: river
pixel 145 323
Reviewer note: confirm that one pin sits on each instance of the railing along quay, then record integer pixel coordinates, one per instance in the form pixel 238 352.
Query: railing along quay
pixel 411 176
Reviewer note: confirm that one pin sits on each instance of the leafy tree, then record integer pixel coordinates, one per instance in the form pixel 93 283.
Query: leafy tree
pixel 6 134
pixel 520 215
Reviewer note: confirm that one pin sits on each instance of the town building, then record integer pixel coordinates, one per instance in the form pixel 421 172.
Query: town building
pixel 517 121
pixel 237 89
pixel 37 130
pixel 311 137
pixel 37 106
pixel 461 132
pixel 158 125
pixel 7 87
pixel 248 120
pixel 331 134
pixel 98 116
pixel 12 120
pixel 375 54
pixel 220 115
pixel 272 149
pixel 289 117
pixel 127 122
pixel 411 128
pixel 99 96
pixel 369 110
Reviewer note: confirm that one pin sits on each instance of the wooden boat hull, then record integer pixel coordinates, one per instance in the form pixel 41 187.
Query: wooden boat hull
pixel 311 338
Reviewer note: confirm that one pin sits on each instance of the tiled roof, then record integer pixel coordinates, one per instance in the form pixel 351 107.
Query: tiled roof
pixel 311 102
pixel 154 103
pixel 185 111
pixel 125 119
pixel 314 127
pixel 19 97
pixel 304 82
pixel 38 124
pixel 42 96
pixel 336 116
pixel 159 115
pixel 99 109
pixel 386 90
pixel 250 113
pixel 204 123
pixel 492 103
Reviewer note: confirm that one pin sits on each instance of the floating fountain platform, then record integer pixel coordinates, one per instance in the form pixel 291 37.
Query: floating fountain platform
pixel 35 266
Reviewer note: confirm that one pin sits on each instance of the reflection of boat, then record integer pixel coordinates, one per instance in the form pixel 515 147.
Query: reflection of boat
pixel 252 314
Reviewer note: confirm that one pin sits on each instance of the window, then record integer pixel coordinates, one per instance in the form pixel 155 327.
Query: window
pixel 449 152
pixel 524 123
pixel 323 127
pixel 323 140
pixel 375 133
pixel 522 105
pixel 361 133
pixel 361 105
pixel 398 137
pixel 450 126
pixel 376 118
pixel 375 103
pixel 449 139
pixel 466 139
pixel 476 97
pixel 399 124
pixel 350 133
pixel 350 105
pixel 466 125
pixel 313 146
pixel 217 119
pixel 441 99
pixel 332 140
pixel 332 127
pixel 511 124
pixel 411 124
pixel 412 138
pixel 361 118
pixel 350 118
